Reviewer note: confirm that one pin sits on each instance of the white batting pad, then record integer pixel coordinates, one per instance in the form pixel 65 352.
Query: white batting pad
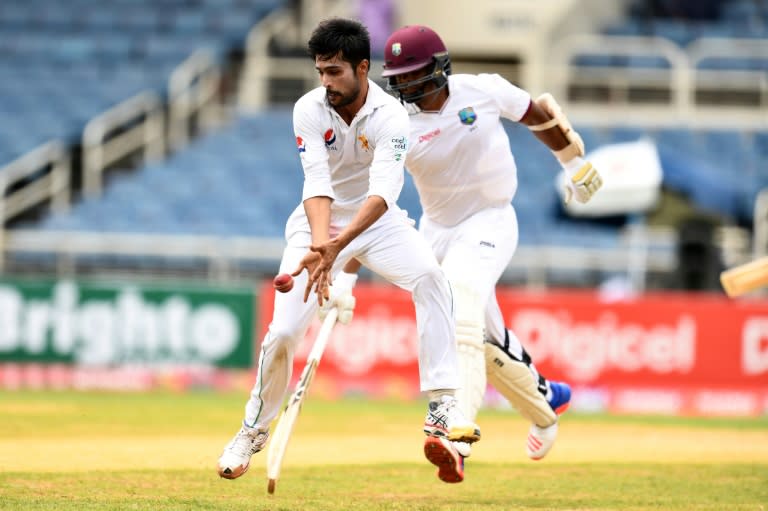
pixel 470 319
pixel 515 381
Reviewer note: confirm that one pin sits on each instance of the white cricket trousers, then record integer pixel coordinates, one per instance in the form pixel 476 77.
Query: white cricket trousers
pixel 482 245
pixel 393 249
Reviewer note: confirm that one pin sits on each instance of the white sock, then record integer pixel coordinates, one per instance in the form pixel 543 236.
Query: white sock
pixel 437 394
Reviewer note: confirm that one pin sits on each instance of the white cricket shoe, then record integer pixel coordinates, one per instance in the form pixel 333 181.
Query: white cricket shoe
pixel 236 458
pixel 540 441
pixel 444 419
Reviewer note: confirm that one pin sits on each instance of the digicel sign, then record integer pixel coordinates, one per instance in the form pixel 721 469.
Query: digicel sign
pixel 655 341
pixel 754 354
pixel 585 350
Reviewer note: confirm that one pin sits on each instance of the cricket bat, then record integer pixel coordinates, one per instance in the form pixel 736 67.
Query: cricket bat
pixel 746 277
pixel 279 442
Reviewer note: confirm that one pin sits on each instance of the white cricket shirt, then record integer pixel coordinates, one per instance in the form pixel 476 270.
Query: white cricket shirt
pixel 460 157
pixel 348 163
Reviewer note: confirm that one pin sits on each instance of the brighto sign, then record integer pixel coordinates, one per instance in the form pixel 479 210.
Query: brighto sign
pixel 125 329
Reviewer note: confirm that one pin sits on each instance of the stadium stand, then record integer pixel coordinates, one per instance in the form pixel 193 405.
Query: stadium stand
pixel 223 185
pixel 58 69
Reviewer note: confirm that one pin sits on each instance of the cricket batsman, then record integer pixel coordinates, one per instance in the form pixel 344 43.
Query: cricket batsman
pixel 464 170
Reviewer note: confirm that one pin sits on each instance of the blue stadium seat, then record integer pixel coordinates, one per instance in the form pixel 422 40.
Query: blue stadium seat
pixel 626 134
pixel 709 182
pixel 590 136
pixel 740 12
pixel 734 62
pixel 681 138
pixel 588 60
pixel 680 32
pixel 224 192
pixel 648 62
pixel 724 141
pixel 717 30
pixel 186 22
pixel 74 59
pixel 761 143
pixel 629 27
pixel 739 18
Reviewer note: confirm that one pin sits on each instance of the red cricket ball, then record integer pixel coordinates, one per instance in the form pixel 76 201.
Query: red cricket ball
pixel 283 283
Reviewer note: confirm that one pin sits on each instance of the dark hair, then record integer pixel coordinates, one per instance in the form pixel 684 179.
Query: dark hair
pixel 348 37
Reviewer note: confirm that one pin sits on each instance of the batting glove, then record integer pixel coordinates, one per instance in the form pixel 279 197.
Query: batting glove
pixel 582 180
pixel 341 298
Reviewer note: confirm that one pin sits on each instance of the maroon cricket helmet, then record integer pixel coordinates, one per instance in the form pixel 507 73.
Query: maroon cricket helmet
pixel 411 48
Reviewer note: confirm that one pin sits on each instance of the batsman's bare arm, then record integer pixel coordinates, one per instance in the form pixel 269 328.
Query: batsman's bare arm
pixel 553 137
pixel 550 125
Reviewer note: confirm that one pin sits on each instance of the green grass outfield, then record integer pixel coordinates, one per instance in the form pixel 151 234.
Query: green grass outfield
pixel 109 451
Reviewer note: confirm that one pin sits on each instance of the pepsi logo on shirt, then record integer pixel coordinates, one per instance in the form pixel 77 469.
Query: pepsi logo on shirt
pixel 330 138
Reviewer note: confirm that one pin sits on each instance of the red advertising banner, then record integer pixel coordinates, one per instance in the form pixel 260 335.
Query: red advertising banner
pixel 686 353
pixel 375 354
pixel 662 353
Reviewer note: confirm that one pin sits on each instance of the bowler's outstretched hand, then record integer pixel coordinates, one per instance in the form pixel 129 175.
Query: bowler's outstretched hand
pixel 309 262
pixel 321 278
pixel 318 262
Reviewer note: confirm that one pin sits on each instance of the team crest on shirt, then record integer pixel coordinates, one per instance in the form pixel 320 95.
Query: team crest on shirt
pixel 330 138
pixel 300 144
pixel 467 116
pixel 364 142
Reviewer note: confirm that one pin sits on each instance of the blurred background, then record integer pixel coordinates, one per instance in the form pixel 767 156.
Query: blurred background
pixel 148 165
